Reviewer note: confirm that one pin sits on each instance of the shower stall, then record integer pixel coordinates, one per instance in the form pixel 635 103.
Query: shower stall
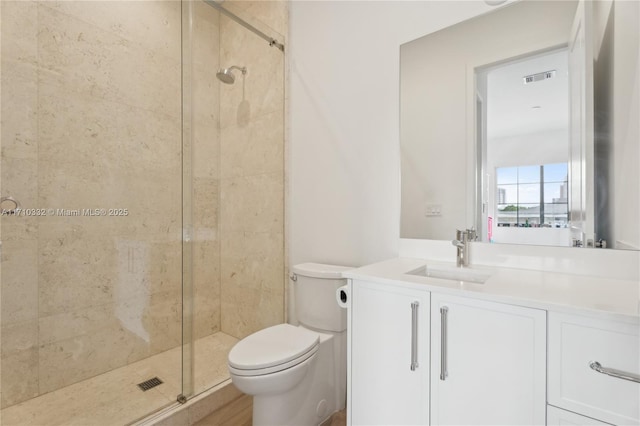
pixel 142 201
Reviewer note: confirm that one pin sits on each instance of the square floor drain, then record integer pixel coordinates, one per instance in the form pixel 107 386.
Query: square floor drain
pixel 148 384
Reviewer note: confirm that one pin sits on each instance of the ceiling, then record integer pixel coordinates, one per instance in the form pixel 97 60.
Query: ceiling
pixel 515 108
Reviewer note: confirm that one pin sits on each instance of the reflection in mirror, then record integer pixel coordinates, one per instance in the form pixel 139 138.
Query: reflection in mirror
pixel 523 141
pixel 523 124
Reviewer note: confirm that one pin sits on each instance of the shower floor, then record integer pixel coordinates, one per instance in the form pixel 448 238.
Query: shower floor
pixel 113 398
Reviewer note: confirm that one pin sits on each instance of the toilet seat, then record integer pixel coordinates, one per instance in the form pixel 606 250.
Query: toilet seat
pixel 272 349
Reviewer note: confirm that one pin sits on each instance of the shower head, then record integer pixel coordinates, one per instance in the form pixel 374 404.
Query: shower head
pixel 226 75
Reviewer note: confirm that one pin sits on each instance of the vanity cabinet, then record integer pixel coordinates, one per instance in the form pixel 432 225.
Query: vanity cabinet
pixel 388 355
pixel 576 343
pixel 488 362
pixel 483 362
pixel 424 355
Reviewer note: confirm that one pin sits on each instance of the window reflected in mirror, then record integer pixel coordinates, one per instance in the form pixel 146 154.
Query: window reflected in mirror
pixel 531 196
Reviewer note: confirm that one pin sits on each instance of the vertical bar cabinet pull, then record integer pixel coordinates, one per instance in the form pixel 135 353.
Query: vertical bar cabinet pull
pixel 443 342
pixel 414 335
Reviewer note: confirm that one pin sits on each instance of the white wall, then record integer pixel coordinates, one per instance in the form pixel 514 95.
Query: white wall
pixel 344 170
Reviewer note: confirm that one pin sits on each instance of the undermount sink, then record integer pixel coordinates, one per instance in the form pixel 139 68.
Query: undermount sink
pixel 451 273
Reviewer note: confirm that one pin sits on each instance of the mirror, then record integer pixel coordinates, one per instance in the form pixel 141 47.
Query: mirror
pixel 523 123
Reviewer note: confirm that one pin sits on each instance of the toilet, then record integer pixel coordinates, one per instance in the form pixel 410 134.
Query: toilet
pixel 297 374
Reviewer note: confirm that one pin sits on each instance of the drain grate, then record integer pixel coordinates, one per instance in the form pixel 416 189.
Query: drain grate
pixel 148 384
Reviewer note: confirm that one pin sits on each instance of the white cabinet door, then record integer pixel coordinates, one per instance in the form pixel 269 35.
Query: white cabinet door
pixel 388 332
pixel 488 363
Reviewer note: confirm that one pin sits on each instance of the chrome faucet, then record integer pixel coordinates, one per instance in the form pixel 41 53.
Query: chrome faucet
pixel 462 244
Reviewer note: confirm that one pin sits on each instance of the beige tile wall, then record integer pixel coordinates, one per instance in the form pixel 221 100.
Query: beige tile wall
pixel 91 119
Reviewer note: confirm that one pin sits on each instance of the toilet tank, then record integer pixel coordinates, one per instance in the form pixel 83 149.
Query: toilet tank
pixel 314 291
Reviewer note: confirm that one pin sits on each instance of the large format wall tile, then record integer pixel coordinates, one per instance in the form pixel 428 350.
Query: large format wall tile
pixel 105 134
pixel 68 361
pixel 162 319
pixel 19 180
pixel 155 25
pixel 253 260
pixel 254 149
pixel 206 283
pixel 206 152
pixel 19 281
pixel 75 273
pixel 206 257
pixel 87 59
pixel 206 87
pixel 274 14
pixel 67 325
pixel 19 108
pixel 206 41
pixel 152 200
pixel 252 203
pixel 245 310
pixel 134 327
pixel 164 268
pixel 19 171
pixel 19 31
pixel 205 207
pixel 20 378
pixel 252 281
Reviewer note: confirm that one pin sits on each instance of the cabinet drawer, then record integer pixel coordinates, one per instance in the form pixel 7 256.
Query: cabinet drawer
pixel 559 417
pixel 574 343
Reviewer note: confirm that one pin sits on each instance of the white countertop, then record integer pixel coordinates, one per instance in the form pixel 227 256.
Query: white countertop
pixel 576 294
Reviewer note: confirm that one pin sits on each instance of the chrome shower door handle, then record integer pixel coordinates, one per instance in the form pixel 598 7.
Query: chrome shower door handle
pixel 618 374
pixel 443 342
pixel 9 206
pixel 414 335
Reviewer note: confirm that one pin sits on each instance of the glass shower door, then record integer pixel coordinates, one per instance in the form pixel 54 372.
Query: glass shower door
pixel 91 223
pixel 233 180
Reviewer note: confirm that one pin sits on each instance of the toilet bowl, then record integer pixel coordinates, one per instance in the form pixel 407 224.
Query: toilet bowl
pixel 273 360
pixel 297 374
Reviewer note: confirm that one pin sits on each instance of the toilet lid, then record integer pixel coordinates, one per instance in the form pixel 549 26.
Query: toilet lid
pixel 272 346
